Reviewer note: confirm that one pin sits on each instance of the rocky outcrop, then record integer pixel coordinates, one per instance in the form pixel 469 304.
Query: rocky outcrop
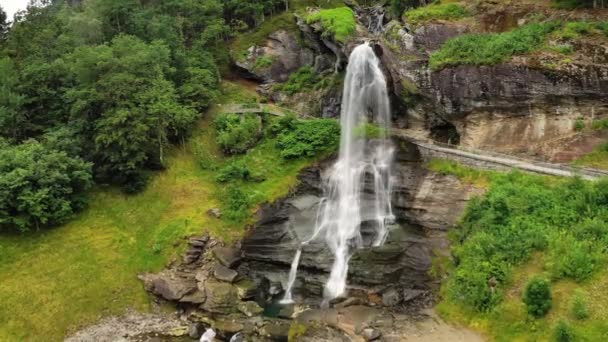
pixel 425 204
pixel 516 107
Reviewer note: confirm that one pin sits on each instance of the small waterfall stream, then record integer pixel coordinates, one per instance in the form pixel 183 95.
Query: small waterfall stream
pixel 341 213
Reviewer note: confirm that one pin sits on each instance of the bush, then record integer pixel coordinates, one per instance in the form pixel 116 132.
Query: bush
pixel 572 258
pixel 309 138
pixel 563 332
pixel 338 23
pixel 600 124
pixel 237 171
pixel 236 204
pixel 578 308
pixel 39 186
pixel 237 133
pixel 299 81
pixel 448 11
pixel 537 297
pixel 491 48
pixel 579 125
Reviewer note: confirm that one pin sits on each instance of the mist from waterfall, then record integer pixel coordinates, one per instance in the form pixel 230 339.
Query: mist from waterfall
pixel 340 215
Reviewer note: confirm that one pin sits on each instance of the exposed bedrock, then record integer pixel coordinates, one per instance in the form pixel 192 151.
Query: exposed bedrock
pixel 528 105
pixel 425 204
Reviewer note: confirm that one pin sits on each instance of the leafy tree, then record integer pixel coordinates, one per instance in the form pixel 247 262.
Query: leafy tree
pixel 123 102
pixel 537 297
pixel 3 24
pixel 237 133
pixel 13 121
pixel 39 186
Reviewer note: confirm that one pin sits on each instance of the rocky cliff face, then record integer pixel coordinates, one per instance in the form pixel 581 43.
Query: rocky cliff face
pixel 425 204
pixel 526 106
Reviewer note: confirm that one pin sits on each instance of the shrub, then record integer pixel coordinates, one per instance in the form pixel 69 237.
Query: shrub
pixel 563 332
pixel 338 23
pixel 263 62
pixel 309 138
pixel 236 204
pixel 537 297
pixel 572 258
pixel 237 133
pixel 448 11
pixel 237 171
pixel 579 125
pixel 491 48
pixel 299 81
pixel 578 307
pixel 39 186
pixel 600 124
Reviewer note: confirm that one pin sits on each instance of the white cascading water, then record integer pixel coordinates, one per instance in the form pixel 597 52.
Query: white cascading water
pixel 340 213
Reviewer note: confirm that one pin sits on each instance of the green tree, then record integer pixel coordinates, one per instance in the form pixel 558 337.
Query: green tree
pixel 39 186
pixel 3 24
pixel 13 121
pixel 537 297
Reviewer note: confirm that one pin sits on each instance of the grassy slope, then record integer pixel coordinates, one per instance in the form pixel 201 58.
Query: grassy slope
pixel 509 321
pixel 57 280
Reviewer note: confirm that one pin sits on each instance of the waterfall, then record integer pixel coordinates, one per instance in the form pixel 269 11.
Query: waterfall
pixel 340 214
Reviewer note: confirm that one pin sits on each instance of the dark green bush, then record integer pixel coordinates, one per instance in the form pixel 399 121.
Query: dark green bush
pixel 309 138
pixel 537 297
pixel 237 171
pixel 237 133
pixel 579 125
pixel 299 81
pixel 236 204
pixel 563 332
pixel 39 186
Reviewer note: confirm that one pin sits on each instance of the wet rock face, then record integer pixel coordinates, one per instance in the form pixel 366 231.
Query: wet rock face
pixel 402 263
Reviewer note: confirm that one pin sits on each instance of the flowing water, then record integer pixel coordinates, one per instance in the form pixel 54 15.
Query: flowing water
pixel 346 205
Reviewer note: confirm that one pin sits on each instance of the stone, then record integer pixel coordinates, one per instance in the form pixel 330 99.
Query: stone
pixel 195 330
pixel 250 308
pixel 391 297
pixel 275 288
pixel 168 285
pixel 196 297
pixel 411 294
pixel 349 302
pixel 229 257
pixel 201 276
pixel 246 289
pixel 198 242
pixel 238 337
pixel 226 274
pixel 276 329
pixel 229 325
pixel 178 332
pixel 370 334
pixel 221 297
pixel 286 311
pixel 214 212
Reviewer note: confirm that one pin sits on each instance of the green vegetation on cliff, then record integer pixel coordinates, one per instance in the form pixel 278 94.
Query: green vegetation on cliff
pixel 527 226
pixel 491 48
pixel 439 11
pixel 338 23
pixel 494 48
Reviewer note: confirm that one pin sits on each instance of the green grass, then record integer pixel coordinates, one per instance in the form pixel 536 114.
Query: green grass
pixel 528 226
pixel 597 159
pixel 338 23
pixel 447 11
pixel 479 178
pixel 58 280
pixel 491 48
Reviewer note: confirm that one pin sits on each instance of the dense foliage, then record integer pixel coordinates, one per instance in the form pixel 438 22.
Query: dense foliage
pixel 521 214
pixel 237 133
pixel 579 3
pixel 309 138
pixel 115 82
pixel 338 23
pixel 537 297
pixel 491 48
pixel 39 185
